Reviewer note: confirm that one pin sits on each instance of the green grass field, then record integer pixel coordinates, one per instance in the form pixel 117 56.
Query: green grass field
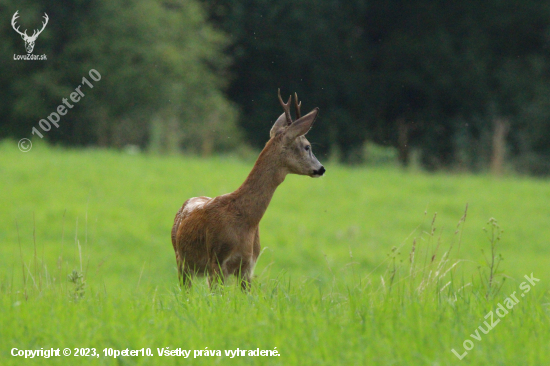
pixel 336 283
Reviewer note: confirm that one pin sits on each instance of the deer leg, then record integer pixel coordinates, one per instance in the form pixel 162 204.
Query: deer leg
pixel 245 276
pixel 247 268
pixel 184 276
pixel 246 283
pixel 216 275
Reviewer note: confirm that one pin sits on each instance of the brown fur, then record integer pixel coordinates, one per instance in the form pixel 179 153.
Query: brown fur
pixel 220 236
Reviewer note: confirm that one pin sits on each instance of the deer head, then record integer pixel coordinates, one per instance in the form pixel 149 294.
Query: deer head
pixel 29 40
pixel 295 150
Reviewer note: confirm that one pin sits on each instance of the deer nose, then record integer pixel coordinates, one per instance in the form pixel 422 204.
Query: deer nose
pixel 320 171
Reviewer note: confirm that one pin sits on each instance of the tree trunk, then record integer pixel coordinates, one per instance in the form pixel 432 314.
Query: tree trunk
pixel 403 141
pixel 172 134
pixel 501 127
pixel 207 147
pixel 103 127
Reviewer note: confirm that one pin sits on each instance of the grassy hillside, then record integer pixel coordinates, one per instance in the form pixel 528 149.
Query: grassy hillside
pixel 329 288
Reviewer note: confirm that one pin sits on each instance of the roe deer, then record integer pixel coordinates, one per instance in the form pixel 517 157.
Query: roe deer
pixel 220 236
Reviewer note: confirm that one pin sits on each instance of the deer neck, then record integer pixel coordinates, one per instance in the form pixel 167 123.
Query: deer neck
pixel 253 197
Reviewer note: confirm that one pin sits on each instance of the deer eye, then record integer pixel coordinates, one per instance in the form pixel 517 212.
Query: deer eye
pixel 308 147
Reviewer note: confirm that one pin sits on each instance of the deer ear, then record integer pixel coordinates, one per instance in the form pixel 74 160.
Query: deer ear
pixel 279 125
pixel 301 126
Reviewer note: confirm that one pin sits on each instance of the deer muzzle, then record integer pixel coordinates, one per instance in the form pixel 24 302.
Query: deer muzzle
pixel 319 172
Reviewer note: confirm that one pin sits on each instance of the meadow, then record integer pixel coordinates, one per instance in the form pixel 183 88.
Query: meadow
pixel 365 266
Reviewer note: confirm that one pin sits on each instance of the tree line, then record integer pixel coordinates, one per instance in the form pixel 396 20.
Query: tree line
pixel 462 84
pixel 162 66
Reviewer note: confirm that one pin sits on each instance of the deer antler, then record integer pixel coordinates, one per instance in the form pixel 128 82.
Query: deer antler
pixel 286 108
pixel 35 34
pixel 297 106
pixel 13 24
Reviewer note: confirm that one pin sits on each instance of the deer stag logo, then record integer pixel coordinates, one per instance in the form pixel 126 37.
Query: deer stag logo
pixel 29 41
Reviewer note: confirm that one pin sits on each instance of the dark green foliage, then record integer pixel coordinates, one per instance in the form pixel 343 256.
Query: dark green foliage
pixel 427 75
pixel 304 47
pixel 444 70
pixel 160 62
